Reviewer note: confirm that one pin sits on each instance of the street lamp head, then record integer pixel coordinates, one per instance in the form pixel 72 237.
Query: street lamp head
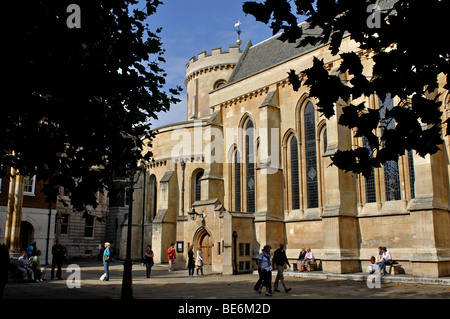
pixel 193 214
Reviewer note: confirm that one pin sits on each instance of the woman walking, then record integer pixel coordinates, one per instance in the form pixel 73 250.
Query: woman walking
pixel 199 261
pixel 265 269
pixel 106 261
pixel 148 258
pixel 191 261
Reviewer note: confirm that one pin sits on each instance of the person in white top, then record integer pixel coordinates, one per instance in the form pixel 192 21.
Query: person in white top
pixel 199 261
pixel 386 260
pixel 24 267
pixel 309 258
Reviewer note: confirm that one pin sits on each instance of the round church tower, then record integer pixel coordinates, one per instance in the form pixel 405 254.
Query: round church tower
pixel 206 73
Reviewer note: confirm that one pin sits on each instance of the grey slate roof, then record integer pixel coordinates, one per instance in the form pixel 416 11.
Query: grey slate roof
pixel 272 51
pixel 267 54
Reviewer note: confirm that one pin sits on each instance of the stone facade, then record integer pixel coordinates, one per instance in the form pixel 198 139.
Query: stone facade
pixel 253 160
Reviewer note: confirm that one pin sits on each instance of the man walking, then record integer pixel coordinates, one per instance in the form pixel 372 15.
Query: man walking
pixel 58 258
pixel 279 260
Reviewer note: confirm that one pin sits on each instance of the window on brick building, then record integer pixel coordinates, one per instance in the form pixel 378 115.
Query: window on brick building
pixel 89 226
pixel 29 185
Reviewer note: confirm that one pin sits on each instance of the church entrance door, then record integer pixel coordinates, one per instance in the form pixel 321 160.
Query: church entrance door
pixel 206 247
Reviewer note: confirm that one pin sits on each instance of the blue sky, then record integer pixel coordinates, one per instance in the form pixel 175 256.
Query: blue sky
pixel 193 26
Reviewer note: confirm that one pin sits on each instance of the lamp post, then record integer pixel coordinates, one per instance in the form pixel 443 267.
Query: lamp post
pixel 51 200
pixel 127 280
pixel 183 167
pixel 144 186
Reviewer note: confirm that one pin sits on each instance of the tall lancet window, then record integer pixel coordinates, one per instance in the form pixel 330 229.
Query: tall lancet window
pixel 391 171
pixel 412 175
pixel 153 196
pixel 237 182
pixel 250 165
pixel 294 174
pixel 371 195
pixel 198 185
pixel 311 156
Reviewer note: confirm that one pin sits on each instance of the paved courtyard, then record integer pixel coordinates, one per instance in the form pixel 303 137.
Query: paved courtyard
pixel 177 285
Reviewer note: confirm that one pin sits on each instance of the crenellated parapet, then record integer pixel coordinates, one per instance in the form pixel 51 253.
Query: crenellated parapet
pixel 216 60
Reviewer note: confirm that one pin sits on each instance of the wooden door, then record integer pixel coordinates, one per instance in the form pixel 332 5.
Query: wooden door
pixel 206 247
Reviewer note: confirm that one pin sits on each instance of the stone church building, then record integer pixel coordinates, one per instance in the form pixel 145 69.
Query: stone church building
pixel 251 166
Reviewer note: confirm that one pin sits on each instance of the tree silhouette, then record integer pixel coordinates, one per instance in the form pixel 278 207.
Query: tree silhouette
pixel 79 99
pixel 410 55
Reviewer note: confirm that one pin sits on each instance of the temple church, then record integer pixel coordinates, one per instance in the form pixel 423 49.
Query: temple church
pixel 251 166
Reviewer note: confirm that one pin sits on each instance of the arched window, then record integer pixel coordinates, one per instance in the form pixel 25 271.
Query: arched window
pixel 311 156
pixel 153 196
pixel 294 174
pixel 391 171
pixel 219 84
pixel 250 165
pixel 371 195
pixel 237 182
pixel 197 186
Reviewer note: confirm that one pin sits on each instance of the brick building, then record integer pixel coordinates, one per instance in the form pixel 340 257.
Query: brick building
pixel 80 232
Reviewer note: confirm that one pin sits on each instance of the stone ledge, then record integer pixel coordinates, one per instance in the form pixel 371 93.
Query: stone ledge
pixel 363 277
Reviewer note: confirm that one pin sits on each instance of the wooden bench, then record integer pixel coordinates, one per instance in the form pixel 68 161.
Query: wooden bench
pixel 294 265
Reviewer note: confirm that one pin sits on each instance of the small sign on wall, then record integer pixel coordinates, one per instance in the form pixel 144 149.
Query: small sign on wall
pixel 180 245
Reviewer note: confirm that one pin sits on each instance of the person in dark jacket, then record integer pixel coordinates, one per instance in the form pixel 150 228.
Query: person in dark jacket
pixel 148 259
pixel 279 260
pixel 5 263
pixel 57 260
pixel 191 261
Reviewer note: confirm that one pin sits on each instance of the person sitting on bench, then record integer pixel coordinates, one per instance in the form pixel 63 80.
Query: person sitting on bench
pixel 309 258
pixel 386 260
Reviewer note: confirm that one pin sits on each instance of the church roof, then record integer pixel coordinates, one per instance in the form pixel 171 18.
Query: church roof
pixel 267 54
pixel 271 52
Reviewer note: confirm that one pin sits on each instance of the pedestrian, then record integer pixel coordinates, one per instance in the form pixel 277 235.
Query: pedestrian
pixel 279 260
pixel 199 261
pixel 57 260
pixel 171 255
pixel 106 260
pixel 191 261
pixel 265 268
pixel 148 260
pixel 5 263
pixel 38 270
pixel 24 267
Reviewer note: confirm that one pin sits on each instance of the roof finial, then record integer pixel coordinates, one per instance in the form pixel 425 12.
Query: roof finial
pixel 237 29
